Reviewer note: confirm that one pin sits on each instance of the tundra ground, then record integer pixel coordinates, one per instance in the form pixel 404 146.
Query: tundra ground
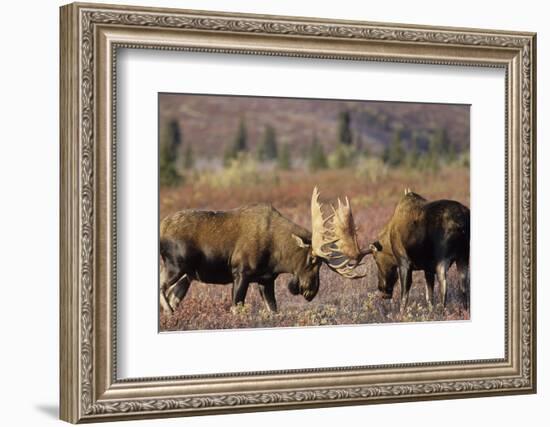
pixel 340 301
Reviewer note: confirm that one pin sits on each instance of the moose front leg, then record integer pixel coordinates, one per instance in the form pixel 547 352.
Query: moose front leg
pixel 240 288
pixel 405 278
pixel 267 290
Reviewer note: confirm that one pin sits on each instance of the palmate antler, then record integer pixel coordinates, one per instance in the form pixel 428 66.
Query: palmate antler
pixel 335 238
pixel 320 231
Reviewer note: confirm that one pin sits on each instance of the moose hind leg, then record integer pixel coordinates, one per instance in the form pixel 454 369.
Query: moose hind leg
pixel 170 273
pixel 166 286
pixel 267 291
pixel 178 291
pixel 430 283
pixel 164 302
pixel 441 271
pixel 464 277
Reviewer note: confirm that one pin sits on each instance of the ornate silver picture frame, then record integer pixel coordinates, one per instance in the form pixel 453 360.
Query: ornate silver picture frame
pixel 91 36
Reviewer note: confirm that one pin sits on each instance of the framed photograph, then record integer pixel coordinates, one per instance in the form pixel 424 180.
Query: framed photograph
pixel 266 213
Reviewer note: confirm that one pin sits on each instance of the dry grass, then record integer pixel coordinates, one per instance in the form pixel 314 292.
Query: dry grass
pixel 339 301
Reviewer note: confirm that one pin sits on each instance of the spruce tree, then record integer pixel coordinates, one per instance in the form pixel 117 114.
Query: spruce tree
pixel 413 155
pixel 341 157
pixel 436 148
pixel 344 130
pixel 317 158
pixel 359 146
pixel 395 153
pixel 228 155
pixel 238 145
pixel 283 159
pixel 170 141
pixel 451 153
pixel 267 150
pixel 270 142
pixel 188 158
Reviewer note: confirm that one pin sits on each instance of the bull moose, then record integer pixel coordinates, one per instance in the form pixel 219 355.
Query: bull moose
pixel 423 235
pixel 254 244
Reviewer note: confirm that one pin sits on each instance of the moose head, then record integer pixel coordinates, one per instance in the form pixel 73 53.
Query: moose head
pixel 333 242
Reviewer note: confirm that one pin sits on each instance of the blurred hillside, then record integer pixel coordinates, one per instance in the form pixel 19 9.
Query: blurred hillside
pixel 207 122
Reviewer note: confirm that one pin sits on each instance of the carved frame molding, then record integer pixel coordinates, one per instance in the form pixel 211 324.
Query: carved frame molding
pixel 90 37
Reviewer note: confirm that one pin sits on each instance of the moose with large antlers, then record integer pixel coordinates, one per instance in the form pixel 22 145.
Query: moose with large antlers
pixel 254 244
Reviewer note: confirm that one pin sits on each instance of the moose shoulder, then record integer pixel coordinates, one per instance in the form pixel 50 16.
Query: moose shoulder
pixel 423 235
pixel 252 244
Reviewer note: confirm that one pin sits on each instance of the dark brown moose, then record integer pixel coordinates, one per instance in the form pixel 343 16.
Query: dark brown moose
pixel 254 244
pixel 427 236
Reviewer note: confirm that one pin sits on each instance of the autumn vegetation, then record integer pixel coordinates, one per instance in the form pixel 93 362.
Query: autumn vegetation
pixel 414 153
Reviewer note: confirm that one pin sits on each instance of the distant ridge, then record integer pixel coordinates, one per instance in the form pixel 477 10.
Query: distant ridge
pixel 208 122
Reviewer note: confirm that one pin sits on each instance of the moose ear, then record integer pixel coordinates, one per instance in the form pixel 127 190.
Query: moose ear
pixel 300 242
pixel 375 247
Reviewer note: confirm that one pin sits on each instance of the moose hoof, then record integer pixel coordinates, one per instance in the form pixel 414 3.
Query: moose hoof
pixel 173 303
pixel 439 308
pixel 165 305
pixel 385 295
pixel 239 308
